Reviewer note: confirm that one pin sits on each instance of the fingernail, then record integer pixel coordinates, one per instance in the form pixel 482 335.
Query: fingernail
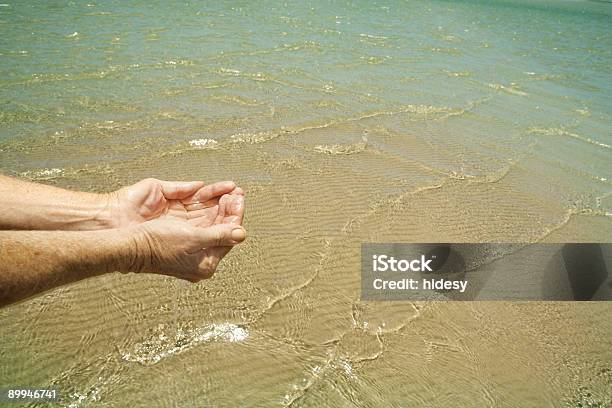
pixel 238 234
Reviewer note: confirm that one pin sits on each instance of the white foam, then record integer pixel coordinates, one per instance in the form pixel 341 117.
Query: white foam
pixel 152 350
pixel 43 173
pixel 203 143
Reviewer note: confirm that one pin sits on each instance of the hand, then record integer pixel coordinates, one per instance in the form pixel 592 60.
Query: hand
pixel 189 201
pixel 188 205
pixel 180 249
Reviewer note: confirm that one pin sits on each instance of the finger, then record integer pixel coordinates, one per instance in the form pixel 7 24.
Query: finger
pixel 231 209
pixel 235 215
pixel 238 191
pixel 211 191
pixel 221 210
pixel 220 235
pixel 192 206
pixel 236 206
pixel 177 190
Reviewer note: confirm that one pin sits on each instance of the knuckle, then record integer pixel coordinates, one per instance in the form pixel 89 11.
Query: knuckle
pixel 218 238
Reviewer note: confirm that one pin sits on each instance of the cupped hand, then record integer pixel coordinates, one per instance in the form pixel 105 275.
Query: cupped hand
pixel 181 227
pixel 176 248
pixel 193 201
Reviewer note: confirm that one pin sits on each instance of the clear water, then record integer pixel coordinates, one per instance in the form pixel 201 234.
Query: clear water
pixel 346 122
pixel 182 71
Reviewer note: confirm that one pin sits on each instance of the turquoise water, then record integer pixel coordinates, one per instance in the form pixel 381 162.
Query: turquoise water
pixel 180 71
pixel 133 79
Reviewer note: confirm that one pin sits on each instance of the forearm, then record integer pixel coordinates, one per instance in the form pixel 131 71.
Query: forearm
pixel 35 261
pixel 31 206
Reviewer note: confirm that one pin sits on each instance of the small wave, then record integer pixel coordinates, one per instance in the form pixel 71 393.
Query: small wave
pixel 78 398
pixel 236 100
pixel 562 132
pixel 178 62
pixel 457 74
pixel 161 344
pixel 43 174
pixel 451 38
pixel 375 60
pixel 203 143
pixel 375 40
pixel 513 89
pixel 343 149
pixel 300 46
pixel 420 112
pixel 253 138
pixel 256 76
pixel 545 77
pixel 443 50
pixel 583 112
pixel 377 37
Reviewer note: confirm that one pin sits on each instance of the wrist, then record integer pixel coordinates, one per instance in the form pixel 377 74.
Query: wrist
pixel 107 216
pixel 116 250
pixel 91 253
pixel 78 211
pixel 133 251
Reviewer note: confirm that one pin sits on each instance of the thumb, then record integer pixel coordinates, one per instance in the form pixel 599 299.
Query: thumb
pixel 221 235
pixel 176 190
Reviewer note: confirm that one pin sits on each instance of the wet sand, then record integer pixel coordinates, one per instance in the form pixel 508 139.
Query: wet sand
pixel 281 323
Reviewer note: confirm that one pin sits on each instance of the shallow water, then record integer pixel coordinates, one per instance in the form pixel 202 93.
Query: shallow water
pixel 345 123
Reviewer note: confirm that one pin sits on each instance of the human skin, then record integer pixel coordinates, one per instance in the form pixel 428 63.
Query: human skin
pixel 35 261
pixel 180 229
pixel 32 206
